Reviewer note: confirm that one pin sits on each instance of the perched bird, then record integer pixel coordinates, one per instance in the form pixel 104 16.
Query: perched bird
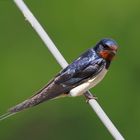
pixel 82 74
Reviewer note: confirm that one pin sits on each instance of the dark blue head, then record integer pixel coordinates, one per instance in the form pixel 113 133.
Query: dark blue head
pixel 106 48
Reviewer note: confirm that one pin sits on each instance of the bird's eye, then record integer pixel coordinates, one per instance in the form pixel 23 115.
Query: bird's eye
pixel 106 47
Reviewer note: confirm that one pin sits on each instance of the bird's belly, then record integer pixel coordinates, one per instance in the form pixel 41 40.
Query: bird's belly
pixel 89 84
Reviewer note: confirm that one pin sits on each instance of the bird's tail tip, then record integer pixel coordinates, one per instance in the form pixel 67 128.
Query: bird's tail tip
pixel 6 115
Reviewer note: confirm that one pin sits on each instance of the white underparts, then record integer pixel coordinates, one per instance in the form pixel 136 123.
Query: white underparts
pixel 89 84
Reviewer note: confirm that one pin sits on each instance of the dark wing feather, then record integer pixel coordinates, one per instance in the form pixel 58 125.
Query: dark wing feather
pixel 85 67
pixel 81 69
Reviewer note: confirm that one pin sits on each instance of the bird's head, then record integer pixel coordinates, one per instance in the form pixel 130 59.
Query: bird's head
pixel 106 48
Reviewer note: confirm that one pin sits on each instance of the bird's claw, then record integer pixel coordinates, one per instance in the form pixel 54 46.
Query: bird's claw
pixel 90 96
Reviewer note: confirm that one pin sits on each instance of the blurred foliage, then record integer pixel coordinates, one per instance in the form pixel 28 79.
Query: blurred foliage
pixel 74 26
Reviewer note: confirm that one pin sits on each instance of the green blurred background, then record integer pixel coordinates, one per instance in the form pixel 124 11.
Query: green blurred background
pixel 26 65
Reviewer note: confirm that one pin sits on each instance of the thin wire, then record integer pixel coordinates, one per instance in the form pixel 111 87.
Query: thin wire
pixel 60 59
pixel 41 32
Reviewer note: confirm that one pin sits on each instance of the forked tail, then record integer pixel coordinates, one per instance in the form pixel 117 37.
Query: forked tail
pixel 47 93
pixel 6 115
pixel 33 101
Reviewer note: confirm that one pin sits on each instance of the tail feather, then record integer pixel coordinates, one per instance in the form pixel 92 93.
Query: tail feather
pixel 6 115
pixel 48 92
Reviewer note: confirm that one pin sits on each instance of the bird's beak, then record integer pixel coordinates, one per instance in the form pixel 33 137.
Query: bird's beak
pixel 114 47
pixel 113 52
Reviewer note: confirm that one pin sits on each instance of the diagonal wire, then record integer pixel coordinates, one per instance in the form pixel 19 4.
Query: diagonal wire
pixel 60 59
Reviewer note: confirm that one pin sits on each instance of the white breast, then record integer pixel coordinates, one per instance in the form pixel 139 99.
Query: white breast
pixel 89 84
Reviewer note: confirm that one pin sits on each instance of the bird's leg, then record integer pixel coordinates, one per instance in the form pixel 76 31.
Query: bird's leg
pixel 89 96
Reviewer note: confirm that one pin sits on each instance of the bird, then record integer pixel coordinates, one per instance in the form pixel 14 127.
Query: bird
pixel 82 74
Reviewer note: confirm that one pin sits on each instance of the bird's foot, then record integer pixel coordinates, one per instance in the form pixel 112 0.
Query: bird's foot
pixel 94 97
pixel 90 96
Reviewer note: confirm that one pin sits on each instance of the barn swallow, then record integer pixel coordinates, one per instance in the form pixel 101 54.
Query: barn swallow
pixel 82 74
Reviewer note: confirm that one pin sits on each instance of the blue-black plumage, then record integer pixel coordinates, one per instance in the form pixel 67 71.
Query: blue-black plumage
pixel 83 73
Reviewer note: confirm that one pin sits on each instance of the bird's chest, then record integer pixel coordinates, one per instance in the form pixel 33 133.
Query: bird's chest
pixel 95 80
pixel 88 84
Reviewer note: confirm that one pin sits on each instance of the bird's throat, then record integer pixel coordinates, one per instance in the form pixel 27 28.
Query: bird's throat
pixel 107 55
